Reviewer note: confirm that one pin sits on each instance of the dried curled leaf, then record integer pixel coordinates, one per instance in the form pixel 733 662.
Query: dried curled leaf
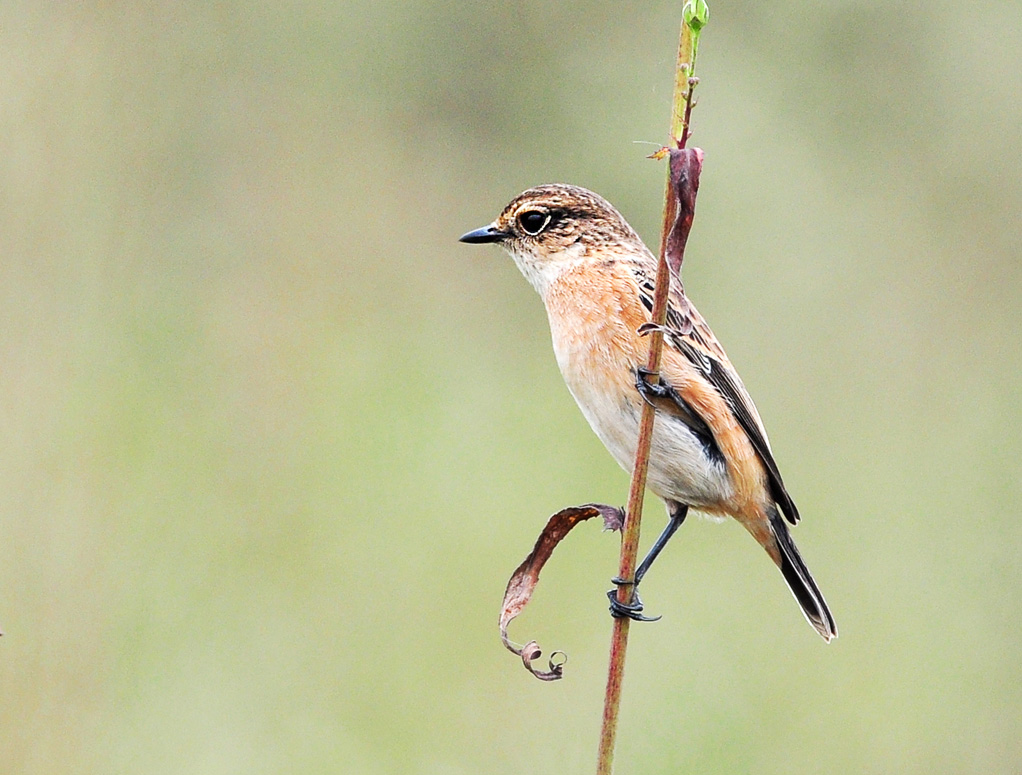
pixel 686 164
pixel 523 581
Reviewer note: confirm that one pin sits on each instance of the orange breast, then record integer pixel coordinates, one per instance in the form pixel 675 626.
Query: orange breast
pixel 593 320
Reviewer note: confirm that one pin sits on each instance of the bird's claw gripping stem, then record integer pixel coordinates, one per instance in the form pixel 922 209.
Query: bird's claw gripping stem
pixel 631 611
pixel 649 390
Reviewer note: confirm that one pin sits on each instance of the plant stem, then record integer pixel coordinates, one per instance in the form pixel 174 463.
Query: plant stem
pixel 681 115
pixel 682 74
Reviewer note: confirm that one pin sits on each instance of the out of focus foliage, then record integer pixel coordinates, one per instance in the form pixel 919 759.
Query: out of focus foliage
pixel 273 440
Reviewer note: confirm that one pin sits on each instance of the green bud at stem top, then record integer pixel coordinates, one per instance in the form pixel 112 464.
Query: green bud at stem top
pixel 696 14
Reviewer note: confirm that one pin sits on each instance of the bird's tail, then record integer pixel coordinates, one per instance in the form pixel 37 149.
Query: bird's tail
pixel 800 580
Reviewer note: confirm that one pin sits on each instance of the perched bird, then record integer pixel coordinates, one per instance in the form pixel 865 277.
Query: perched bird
pixel 709 449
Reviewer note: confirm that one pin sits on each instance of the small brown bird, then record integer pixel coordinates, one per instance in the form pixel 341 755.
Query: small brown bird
pixel 709 449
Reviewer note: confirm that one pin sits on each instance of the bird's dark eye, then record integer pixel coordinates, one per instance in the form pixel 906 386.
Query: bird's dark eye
pixel 533 221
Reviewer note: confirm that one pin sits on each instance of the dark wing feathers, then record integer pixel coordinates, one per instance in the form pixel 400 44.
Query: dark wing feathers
pixel 687 332
pixel 725 381
pixel 666 399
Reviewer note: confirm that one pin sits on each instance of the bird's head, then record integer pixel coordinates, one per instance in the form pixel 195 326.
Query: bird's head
pixel 550 228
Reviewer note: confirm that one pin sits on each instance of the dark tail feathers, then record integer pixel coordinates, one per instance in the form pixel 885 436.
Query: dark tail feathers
pixel 801 583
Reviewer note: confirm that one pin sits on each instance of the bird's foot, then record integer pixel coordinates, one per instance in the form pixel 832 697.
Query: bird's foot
pixel 631 610
pixel 650 390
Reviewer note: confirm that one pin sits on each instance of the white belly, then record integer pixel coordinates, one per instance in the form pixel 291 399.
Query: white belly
pixel 679 468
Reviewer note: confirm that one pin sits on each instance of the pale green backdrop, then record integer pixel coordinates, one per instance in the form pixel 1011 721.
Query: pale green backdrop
pixel 273 440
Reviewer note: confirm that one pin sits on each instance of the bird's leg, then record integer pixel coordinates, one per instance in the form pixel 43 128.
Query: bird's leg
pixel 677 514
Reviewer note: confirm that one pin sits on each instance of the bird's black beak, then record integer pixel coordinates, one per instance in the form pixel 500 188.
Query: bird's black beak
pixel 480 236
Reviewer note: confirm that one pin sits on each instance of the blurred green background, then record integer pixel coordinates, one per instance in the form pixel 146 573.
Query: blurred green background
pixel 274 440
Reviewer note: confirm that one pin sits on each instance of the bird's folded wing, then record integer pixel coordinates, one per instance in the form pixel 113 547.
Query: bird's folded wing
pixel 696 342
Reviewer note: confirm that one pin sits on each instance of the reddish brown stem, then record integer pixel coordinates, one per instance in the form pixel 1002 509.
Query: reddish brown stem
pixel 683 184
